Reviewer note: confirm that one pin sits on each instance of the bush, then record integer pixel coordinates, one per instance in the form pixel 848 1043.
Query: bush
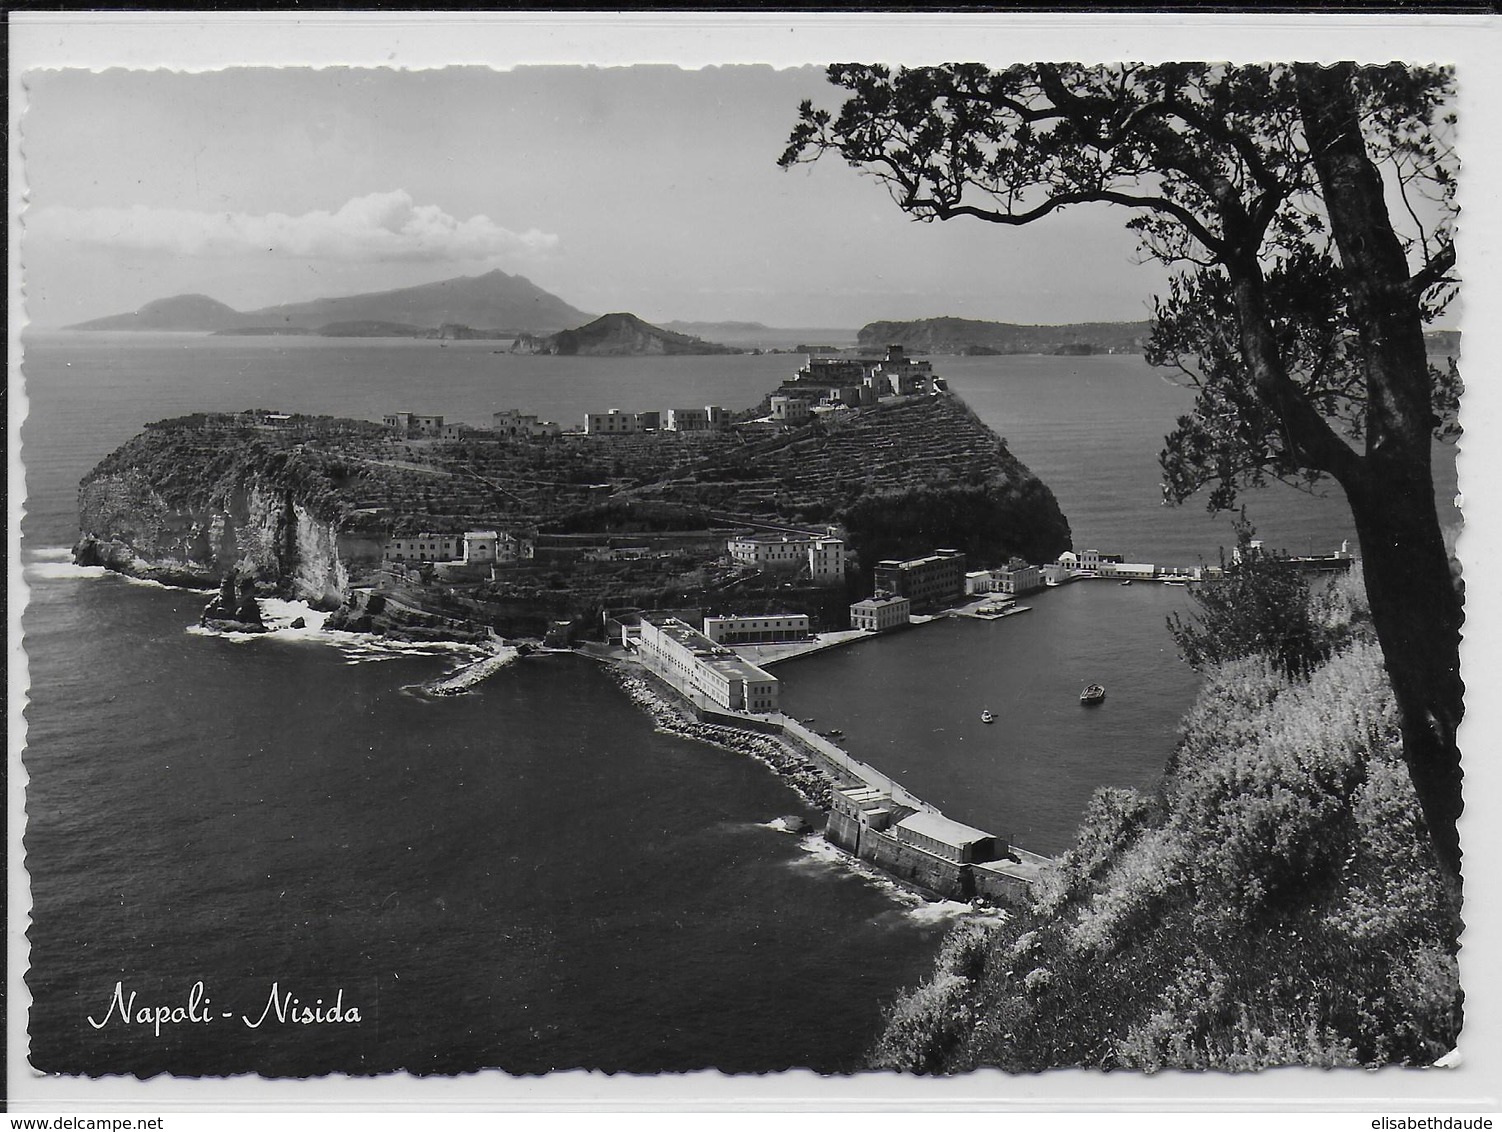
pixel 1275 902
pixel 1261 606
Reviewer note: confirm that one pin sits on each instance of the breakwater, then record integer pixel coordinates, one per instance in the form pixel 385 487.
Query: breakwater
pixel 659 701
pixel 866 809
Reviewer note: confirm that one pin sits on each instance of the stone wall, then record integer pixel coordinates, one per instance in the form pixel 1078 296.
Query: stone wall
pixel 999 887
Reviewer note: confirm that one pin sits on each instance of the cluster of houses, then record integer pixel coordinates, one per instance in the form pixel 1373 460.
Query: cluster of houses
pixel 832 388
pixel 426 426
pixel 825 387
pixel 618 423
pixel 471 548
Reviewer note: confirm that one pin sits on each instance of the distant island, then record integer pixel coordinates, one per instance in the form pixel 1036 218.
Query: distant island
pixel 494 299
pixel 618 335
pixel 974 336
pixel 968 336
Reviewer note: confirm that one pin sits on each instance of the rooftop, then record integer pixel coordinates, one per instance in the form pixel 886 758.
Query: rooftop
pixel 880 602
pixel 782 536
pixel 936 556
pixel 940 828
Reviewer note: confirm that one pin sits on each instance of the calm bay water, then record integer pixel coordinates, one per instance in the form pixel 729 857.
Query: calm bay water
pixel 530 877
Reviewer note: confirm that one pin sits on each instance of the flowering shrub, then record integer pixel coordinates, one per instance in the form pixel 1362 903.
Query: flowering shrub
pixel 1275 903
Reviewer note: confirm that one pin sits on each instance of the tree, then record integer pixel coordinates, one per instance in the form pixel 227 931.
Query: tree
pixel 1299 305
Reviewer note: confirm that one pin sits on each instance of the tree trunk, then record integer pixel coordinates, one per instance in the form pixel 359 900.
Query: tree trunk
pixel 1416 610
pixel 1416 606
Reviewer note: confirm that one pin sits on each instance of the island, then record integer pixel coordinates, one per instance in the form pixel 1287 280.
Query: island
pixel 416 526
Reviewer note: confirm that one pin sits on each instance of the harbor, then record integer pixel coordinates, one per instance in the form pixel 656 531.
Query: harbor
pixel 869 814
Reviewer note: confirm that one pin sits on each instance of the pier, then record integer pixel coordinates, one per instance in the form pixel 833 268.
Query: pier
pixel 871 815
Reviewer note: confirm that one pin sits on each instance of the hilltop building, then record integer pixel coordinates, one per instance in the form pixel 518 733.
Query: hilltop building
pixel 413 425
pixel 513 422
pixel 613 423
pixel 899 375
pixel 789 409
pixel 703 671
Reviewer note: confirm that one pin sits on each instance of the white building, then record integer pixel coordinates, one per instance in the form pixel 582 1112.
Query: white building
pixel 757 630
pixel 1017 577
pixel 481 546
pixel 823 555
pixel 880 613
pixel 826 560
pixel 613 423
pixel 1090 561
pixel 513 422
pixel 703 670
pixel 409 425
pixel 789 409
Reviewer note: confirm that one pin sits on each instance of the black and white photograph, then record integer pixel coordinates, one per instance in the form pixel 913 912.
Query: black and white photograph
pixel 944 557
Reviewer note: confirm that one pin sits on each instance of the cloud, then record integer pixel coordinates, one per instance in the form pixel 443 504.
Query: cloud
pixel 380 227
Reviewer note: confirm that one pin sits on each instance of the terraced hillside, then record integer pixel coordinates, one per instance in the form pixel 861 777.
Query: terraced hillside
pixel 194 497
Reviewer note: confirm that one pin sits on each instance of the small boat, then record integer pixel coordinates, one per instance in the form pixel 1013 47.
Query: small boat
pixel 834 733
pixel 1127 582
pixel 987 717
pixel 1093 694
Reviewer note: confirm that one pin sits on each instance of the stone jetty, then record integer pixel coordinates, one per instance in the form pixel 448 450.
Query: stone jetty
pixel 782 759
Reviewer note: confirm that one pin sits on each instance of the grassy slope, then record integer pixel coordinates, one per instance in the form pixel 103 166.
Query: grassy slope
pixel 1273 903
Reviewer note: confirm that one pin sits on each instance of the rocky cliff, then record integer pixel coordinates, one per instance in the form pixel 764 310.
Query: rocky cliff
pixel 192 501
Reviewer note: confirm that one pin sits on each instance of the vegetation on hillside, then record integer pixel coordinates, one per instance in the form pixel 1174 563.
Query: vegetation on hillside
pixel 1274 901
pixel 904 477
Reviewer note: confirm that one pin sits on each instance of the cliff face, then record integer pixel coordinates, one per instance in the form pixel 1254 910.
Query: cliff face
pixel 244 526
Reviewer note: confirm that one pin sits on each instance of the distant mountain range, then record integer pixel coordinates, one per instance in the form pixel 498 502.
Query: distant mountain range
pixel 617 335
pixel 509 303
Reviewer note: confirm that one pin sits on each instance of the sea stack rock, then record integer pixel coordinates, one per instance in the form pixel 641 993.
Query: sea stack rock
pixel 233 609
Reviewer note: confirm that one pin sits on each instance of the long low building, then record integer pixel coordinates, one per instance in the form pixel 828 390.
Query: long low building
pixel 757 630
pixel 703 670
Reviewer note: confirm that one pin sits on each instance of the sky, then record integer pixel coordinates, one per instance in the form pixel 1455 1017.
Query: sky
pixel 650 189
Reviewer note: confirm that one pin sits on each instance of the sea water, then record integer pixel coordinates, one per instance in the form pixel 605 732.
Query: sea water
pixel 530 877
